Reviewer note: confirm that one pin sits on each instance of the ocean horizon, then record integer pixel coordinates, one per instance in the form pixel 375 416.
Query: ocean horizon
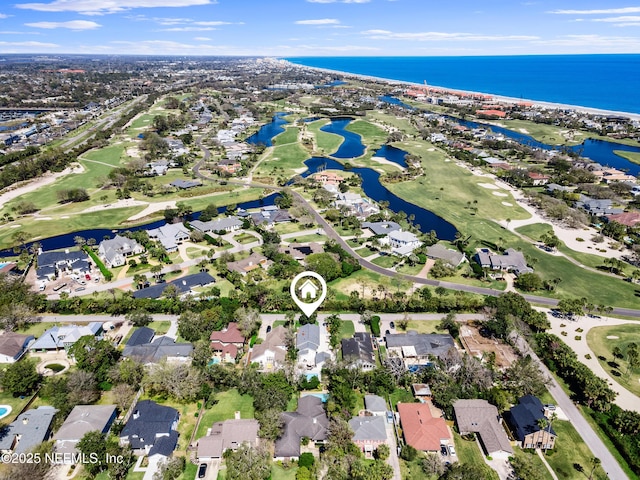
pixel 594 81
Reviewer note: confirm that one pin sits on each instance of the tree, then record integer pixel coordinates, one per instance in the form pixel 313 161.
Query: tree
pixel 449 324
pixel 95 446
pixel 248 320
pixel 31 470
pixel 170 469
pixel 82 388
pixel 20 378
pixel 94 355
pixel 139 318
pixel 248 462
pixel 382 452
pixel 431 464
pixel 524 377
pixel 529 282
pixel 595 463
pixel 270 423
pixel 123 395
pixel 325 265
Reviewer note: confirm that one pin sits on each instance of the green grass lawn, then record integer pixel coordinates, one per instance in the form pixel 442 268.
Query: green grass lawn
pixel 548 134
pixel 401 395
pixel 245 238
pixel 326 142
pixel 341 287
pixel 284 160
pixel 536 460
pixel 290 135
pixel 16 404
pixel 347 329
pixel 386 261
pixel 288 227
pixel 603 347
pixel 370 133
pixel 631 156
pixel 280 473
pixel 227 404
pixel 409 269
pixel 468 452
pixel 571 450
pixel 424 326
pixel 313 237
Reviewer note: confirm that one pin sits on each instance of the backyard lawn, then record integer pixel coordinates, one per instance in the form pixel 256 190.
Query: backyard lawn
pixel 469 452
pixel 227 404
pixel 602 341
pixel 570 452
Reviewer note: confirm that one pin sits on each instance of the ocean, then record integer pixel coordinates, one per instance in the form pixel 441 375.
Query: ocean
pixel 608 82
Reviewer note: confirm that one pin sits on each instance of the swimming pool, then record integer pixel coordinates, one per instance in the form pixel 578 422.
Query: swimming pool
pixel 5 410
pixel 322 396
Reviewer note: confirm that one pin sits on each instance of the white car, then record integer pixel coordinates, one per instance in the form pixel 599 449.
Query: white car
pixel 452 450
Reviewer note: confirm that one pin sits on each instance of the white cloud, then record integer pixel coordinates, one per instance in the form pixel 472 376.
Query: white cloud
pixel 4 15
pixel 188 29
pixel 28 44
pixel 202 39
pixel 100 7
pixel 71 25
pixel 607 11
pixel 320 21
pixel 626 19
pixel 590 41
pixel 440 36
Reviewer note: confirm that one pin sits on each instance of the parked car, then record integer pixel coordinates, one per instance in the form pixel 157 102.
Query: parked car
pixel 443 450
pixel 202 470
pixel 268 328
pixel 80 289
pixel 550 406
pixel 392 325
pixel 452 450
pixel 87 276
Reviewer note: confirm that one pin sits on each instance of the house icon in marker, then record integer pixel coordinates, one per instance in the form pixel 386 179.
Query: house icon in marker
pixel 308 290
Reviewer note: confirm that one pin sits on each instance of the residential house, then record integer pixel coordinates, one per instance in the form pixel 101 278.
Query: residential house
pixel 64 336
pixel 480 417
pixel 148 425
pixel 226 224
pixel 628 219
pixel 28 430
pixel 82 420
pixel 54 264
pixel 597 207
pixel 417 348
pixel 271 353
pixel 403 243
pixel 157 168
pixel 358 351
pixel 524 419
pixel 170 235
pixel 538 179
pixel 447 255
pixel 185 184
pixel 154 351
pixel 511 261
pixel 360 207
pixel 309 420
pixel 300 251
pixel 114 252
pixel 421 429
pixel 230 165
pixel 308 345
pixel 421 391
pixel 609 175
pixel 13 346
pixel 375 405
pixel 269 216
pixel 369 432
pixel 227 342
pixel 176 146
pixel 185 285
pixel 381 228
pixel 227 435
pixel 327 177
pixel 253 261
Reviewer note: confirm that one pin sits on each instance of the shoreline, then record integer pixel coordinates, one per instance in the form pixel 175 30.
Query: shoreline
pixel 502 98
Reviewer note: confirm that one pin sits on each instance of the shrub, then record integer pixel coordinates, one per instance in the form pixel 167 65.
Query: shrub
pixel 375 325
pixel 306 460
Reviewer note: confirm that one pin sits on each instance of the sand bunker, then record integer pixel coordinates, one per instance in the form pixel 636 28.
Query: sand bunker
pixel 43 218
pixel 490 186
pixel 431 150
pixel 612 337
pixel 500 194
pixel 507 204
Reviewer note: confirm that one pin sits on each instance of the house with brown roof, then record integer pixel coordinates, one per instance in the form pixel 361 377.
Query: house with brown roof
pixel 421 430
pixel 13 346
pixel 538 178
pixel 227 435
pixel 309 420
pixel 480 417
pixel 271 353
pixel 253 261
pixel 226 343
pixel 628 219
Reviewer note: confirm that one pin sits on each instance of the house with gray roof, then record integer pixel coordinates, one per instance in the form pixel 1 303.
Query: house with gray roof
pixel 62 337
pixel 511 261
pixel 308 344
pixel 309 420
pixel 418 348
pixel 227 435
pixel 597 207
pixel 159 349
pixel 375 405
pixel 28 430
pixel 269 216
pixel 114 252
pixel 402 242
pixel 368 433
pixel 246 265
pixel 185 184
pixel 226 224
pixel 83 419
pixel 447 255
pixel 54 264
pixel 184 285
pixel 271 353
pixel 13 346
pixel 358 351
pixel 480 417
pixel 381 228
pixel 170 235
pixel 148 425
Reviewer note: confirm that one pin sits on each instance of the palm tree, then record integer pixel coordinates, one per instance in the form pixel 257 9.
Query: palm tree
pixel 595 462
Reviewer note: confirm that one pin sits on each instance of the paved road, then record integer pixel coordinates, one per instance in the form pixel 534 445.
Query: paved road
pixel 597 447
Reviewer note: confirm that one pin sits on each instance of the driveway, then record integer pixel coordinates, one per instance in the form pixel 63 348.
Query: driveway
pixel 393 452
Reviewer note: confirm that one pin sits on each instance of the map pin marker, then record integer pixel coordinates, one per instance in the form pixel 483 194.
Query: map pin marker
pixel 308 290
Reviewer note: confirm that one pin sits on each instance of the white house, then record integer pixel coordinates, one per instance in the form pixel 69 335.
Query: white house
pixel 403 243
pixel 114 252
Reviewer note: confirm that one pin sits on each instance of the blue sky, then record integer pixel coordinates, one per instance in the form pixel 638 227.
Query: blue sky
pixel 319 27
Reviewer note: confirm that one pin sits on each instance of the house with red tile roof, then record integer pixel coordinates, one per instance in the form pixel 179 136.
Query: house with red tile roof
pixel 629 219
pixel 226 343
pixel 538 178
pixel 421 430
pixel 491 113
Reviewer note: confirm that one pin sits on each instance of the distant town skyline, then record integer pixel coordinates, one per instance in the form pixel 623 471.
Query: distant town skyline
pixel 287 28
